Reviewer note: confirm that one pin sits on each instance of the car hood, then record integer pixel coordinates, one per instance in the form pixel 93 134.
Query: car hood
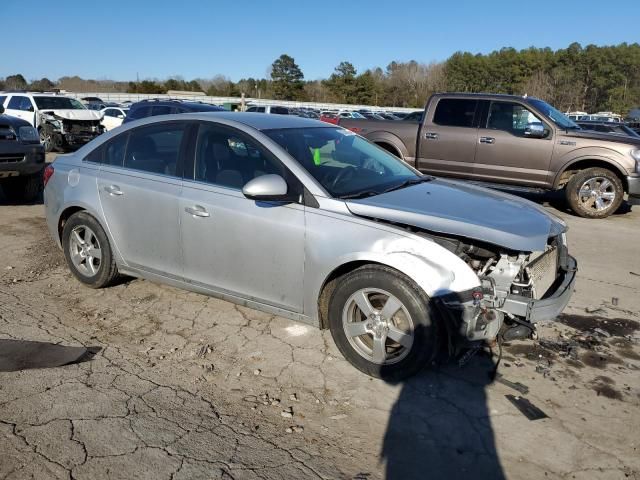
pixel 609 137
pixel 76 114
pixel 465 210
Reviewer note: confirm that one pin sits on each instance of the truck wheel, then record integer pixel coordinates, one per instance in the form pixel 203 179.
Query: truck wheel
pixel 25 189
pixel 46 139
pixel 381 322
pixel 594 193
pixel 87 251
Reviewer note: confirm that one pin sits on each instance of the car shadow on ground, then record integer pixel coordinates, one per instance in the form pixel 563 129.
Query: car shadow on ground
pixel 440 426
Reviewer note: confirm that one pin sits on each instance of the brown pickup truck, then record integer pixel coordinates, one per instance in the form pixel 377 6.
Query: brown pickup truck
pixel 516 143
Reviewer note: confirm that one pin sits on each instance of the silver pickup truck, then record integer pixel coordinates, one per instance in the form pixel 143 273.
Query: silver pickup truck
pixel 513 142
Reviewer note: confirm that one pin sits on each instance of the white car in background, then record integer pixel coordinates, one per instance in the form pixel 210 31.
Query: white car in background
pixel 113 117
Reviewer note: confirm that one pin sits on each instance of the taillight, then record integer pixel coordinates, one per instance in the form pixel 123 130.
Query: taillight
pixel 48 173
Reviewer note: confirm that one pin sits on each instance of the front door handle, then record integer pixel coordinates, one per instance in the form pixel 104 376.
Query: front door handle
pixel 197 211
pixel 487 140
pixel 113 190
pixel 430 136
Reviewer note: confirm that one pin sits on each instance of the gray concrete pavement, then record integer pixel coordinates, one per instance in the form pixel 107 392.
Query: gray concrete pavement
pixel 186 386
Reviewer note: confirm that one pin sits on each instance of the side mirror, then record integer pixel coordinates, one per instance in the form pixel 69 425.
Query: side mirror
pixel 266 188
pixel 1 109
pixel 535 130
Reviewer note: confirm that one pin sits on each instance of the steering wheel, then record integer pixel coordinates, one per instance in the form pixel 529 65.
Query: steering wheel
pixel 344 174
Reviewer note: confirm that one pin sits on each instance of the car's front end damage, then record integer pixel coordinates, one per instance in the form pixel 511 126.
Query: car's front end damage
pixel 70 128
pixel 516 249
pixel 518 290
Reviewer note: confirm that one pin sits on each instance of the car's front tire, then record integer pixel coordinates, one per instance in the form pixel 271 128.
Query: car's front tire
pixel 382 323
pixel 88 252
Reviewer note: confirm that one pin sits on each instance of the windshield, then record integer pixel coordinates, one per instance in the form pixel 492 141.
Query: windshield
pixel 559 118
pixel 58 103
pixel 345 164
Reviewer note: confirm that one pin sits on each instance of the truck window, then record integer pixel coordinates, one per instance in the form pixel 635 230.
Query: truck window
pixel 510 117
pixel 455 112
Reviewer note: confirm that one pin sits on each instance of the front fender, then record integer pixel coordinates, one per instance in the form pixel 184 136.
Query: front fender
pixel 434 269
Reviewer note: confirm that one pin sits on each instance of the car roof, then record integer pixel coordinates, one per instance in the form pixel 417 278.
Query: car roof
pixel 263 121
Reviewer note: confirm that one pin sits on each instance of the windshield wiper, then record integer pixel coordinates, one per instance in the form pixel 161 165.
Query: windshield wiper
pixel 371 193
pixel 362 194
pixel 408 183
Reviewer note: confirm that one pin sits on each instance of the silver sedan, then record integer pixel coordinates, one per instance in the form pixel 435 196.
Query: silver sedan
pixel 309 221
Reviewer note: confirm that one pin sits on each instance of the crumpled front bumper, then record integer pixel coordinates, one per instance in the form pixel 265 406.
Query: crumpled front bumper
pixel 547 308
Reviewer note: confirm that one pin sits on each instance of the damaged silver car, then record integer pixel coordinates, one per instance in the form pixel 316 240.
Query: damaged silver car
pixel 309 221
pixel 63 123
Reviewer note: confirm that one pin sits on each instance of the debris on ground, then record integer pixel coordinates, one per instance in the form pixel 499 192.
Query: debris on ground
pixel 288 413
pixel 204 350
pixel 517 386
pixel 527 408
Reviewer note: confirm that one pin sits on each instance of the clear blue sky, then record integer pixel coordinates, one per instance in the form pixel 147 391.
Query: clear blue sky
pixel 198 38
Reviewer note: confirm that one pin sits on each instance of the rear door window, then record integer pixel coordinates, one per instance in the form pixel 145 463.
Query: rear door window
pixel 114 150
pixel 155 148
pixel 455 112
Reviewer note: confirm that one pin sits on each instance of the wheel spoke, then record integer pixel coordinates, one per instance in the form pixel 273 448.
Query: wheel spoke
pixel 76 236
pixel 600 204
pixel 88 234
pixel 355 329
pixel 96 253
pixel 604 185
pixel 362 300
pixel 399 336
pixel 608 195
pixel 90 266
pixel 589 202
pixel 391 307
pixel 379 354
pixel 76 258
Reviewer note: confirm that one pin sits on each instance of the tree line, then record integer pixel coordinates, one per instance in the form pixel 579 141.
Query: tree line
pixel 592 78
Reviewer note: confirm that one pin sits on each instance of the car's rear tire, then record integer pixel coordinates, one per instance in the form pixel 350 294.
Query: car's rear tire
pixel 26 189
pixel 88 252
pixel 382 322
pixel 594 192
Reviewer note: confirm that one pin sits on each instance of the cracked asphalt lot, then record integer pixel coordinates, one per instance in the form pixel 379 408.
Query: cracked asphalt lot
pixel 190 387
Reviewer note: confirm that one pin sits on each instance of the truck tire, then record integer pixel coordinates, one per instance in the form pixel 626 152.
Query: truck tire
pixel 46 139
pixel 88 252
pixel 594 193
pixel 26 189
pixel 381 322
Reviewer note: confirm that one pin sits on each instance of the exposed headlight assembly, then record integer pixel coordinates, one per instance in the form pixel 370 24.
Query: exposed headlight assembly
pixel 28 134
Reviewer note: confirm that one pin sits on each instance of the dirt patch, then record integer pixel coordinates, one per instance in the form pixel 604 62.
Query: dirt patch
pixel 598 359
pixel 616 327
pixel 604 386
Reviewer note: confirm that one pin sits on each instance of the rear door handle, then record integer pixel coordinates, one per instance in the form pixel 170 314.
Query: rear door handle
pixel 197 211
pixel 487 140
pixel 113 190
pixel 431 136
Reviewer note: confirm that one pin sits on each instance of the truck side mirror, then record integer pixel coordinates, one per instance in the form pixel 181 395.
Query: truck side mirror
pixel 1 109
pixel 535 130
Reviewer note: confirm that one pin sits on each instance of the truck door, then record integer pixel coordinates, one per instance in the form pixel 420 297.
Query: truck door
pixel 449 136
pixel 508 151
